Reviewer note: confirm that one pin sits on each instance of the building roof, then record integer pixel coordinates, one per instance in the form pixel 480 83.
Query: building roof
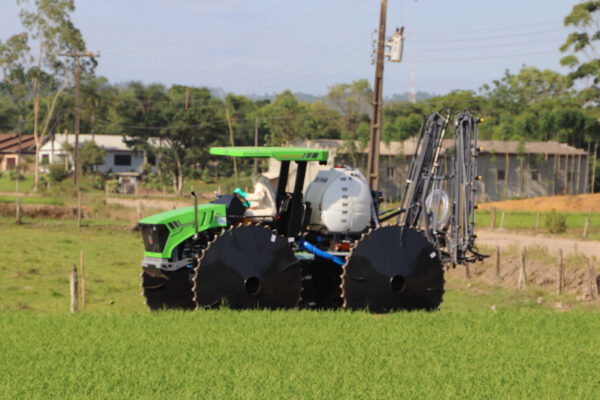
pixel 108 142
pixel 407 147
pixel 9 143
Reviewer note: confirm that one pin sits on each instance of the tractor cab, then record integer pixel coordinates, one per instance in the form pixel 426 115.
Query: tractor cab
pixel 291 212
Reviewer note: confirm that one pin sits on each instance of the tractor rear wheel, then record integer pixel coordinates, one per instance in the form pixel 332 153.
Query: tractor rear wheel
pixel 393 268
pixel 248 266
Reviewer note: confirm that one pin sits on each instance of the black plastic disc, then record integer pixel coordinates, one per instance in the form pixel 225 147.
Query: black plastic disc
pixel 391 269
pixel 248 267
pixel 168 290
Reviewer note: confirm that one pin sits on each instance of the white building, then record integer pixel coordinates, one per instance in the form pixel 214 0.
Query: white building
pixel 119 158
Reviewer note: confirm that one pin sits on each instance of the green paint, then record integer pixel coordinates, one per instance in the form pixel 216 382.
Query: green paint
pixel 180 223
pixel 278 153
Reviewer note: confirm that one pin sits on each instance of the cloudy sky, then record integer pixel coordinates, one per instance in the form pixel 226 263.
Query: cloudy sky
pixel 266 46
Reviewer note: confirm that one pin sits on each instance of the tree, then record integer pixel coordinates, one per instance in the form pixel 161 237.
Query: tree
pixel 91 155
pixel 157 122
pixel 584 19
pixel 284 118
pixel 49 25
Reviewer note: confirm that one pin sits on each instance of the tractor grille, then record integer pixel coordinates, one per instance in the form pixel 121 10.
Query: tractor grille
pixel 155 237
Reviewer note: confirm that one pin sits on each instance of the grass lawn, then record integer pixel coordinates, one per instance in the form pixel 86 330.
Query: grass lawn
pixel 117 349
pixel 525 220
pixel 300 354
pixel 37 259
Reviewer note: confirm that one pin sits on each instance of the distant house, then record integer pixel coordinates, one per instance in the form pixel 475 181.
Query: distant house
pixel 11 147
pixel 119 159
pixel 508 169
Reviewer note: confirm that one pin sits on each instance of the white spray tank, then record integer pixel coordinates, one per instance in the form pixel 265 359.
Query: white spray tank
pixel 340 200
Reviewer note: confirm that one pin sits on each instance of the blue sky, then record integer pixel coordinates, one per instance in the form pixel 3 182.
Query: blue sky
pixel 266 46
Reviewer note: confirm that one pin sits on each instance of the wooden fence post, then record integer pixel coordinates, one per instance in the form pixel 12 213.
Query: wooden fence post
pixel 19 211
pixel 74 288
pixel 561 272
pixel 586 228
pixel 83 296
pixel 79 209
pixel 502 220
pixel 493 218
pixel 522 271
pixel 592 280
pixel 537 223
pixel 139 210
pixel 498 275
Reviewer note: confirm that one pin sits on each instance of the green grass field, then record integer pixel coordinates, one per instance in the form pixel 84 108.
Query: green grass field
pixel 298 354
pixel 525 220
pixel 117 349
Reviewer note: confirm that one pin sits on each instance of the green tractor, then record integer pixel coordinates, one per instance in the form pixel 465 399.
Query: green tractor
pixel 326 247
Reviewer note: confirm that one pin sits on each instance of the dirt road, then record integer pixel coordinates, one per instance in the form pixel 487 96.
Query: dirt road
pixel 506 239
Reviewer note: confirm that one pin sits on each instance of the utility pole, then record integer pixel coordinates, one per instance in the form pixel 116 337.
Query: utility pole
pixel 20 133
pixel 256 142
pixel 594 166
pixel 375 131
pixel 228 116
pixel 77 56
pixel 395 54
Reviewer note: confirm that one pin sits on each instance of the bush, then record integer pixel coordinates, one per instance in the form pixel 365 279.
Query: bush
pixel 57 172
pixel 556 222
pixel 13 175
pixel 98 182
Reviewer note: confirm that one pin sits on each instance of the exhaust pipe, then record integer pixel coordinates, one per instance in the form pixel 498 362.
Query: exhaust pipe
pixel 195 216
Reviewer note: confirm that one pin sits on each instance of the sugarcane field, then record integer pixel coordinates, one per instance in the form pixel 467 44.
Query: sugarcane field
pixel 219 200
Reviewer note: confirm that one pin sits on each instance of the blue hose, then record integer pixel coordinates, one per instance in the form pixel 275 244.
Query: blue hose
pixel 318 252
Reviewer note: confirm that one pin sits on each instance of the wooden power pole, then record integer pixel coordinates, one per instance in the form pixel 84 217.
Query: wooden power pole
pixel 375 132
pixel 77 57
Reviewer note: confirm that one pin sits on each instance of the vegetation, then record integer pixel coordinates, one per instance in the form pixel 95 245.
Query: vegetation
pixel 555 222
pixel 255 354
pixel 526 221
pixel 529 104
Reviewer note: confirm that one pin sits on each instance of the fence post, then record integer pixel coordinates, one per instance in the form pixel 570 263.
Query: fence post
pixel 74 287
pixel 502 220
pixel 561 272
pixel 19 211
pixel 139 210
pixel 493 218
pixel 537 223
pixel 498 277
pixel 522 271
pixel 592 279
pixel 83 296
pixel 79 209
pixel 586 228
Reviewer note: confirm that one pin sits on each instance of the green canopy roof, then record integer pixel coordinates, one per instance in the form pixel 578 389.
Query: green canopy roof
pixel 278 153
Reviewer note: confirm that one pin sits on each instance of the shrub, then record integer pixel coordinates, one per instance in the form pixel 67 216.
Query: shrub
pixel 98 182
pixel 556 222
pixel 13 175
pixel 57 172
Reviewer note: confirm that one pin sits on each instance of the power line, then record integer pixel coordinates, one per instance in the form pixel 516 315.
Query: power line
pixel 497 29
pixel 488 37
pixel 490 46
pixel 488 57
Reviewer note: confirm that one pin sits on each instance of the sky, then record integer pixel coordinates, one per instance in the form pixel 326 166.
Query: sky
pixel 267 46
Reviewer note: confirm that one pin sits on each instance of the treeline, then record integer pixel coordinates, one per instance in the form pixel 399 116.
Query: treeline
pixel 530 105
pixel 179 124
